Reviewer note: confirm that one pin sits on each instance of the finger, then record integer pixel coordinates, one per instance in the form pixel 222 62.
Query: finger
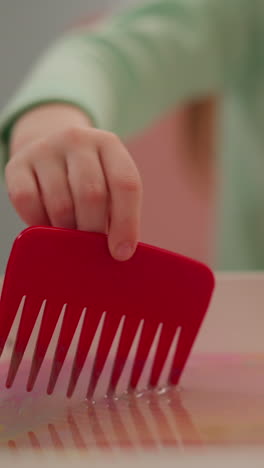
pixel 24 193
pixel 51 173
pixel 89 190
pixel 125 187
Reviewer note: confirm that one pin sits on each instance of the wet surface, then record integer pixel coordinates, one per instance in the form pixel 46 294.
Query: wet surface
pixel 220 402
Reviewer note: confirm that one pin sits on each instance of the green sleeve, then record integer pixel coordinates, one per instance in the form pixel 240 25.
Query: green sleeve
pixel 141 63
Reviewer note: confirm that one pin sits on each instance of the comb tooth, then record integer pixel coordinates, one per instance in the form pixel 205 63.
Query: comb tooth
pixel 185 342
pixel 34 440
pixel 161 419
pixel 106 339
pixel 76 433
pixel 127 336
pixel 68 328
pixel 55 438
pixel 98 430
pixel 183 421
pixel 49 320
pixel 142 424
pixel 165 342
pixel 90 324
pixel 119 426
pixel 28 319
pixel 146 338
pixel 9 304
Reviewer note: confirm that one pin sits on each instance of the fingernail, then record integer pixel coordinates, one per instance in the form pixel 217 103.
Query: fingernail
pixel 124 251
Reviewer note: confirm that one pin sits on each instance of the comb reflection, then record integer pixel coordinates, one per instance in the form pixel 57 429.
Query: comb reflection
pixel 134 421
pixel 221 403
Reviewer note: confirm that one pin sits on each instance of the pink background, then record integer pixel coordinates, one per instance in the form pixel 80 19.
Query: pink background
pixel 178 191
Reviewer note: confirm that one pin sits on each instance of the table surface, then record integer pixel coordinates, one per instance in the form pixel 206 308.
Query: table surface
pixel 202 422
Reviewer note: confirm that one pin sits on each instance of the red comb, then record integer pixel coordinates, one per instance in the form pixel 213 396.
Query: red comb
pixel 155 287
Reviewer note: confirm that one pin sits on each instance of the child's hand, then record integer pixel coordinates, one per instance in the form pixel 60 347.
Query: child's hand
pixel 64 173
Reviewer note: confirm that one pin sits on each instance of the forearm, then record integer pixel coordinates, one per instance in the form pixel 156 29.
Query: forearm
pixel 142 63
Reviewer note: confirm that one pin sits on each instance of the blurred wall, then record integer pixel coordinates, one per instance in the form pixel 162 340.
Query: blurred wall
pixel 26 27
